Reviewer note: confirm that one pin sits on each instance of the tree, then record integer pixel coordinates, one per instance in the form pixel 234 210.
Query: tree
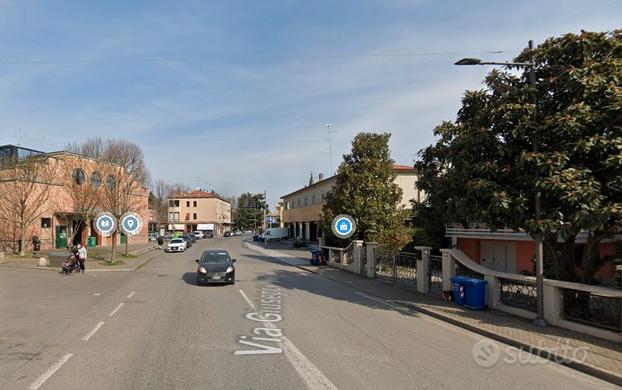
pixel 84 194
pixel 367 191
pixel 25 188
pixel 250 211
pixel 161 191
pixel 481 169
pixel 124 174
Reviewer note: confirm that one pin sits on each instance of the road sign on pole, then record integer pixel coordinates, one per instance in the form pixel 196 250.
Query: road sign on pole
pixel 130 224
pixel 105 224
pixel 343 226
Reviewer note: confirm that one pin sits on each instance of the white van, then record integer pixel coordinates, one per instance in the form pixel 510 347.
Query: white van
pixel 276 234
pixel 199 234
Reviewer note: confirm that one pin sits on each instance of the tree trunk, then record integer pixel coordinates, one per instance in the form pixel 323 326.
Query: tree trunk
pixel 591 260
pixel 114 245
pixel 127 239
pixel 22 249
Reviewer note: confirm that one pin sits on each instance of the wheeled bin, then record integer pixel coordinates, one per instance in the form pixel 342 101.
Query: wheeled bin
pixel 475 293
pixel 457 284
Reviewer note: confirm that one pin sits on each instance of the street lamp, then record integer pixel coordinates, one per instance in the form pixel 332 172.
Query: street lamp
pixel 531 65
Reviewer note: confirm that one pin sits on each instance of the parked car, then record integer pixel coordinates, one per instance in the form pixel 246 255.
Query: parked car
pixel 215 266
pixel 186 238
pixel 153 236
pixel 198 234
pixel 193 238
pixel 176 245
pixel 208 234
pixel 227 234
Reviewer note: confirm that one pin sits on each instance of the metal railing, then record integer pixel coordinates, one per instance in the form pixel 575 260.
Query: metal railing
pixel 516 293
pixel 592 309
pixel 435 273
pixel 400 268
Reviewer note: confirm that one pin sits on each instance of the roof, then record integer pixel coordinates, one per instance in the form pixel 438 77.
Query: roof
pixel 396 168
pixel 198 194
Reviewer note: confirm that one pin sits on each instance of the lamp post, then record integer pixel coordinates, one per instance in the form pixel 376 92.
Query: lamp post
pixel 531 65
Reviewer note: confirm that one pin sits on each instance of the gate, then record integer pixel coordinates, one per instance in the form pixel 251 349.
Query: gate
pixel 435 273
pixel 400 268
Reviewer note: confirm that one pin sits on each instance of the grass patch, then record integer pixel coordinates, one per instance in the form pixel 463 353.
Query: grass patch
pixel 111 264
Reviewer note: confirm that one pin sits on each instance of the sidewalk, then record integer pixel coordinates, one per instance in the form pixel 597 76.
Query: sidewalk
pixel 597 357
pixel 139 254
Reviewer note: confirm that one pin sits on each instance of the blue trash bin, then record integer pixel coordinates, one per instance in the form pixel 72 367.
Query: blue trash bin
pixel 315 257
pixel 457 282
pixel 475 293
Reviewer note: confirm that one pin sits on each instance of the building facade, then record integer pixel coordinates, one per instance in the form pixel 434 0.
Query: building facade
pixel 302 208
pixel 75 194
pixel 199 210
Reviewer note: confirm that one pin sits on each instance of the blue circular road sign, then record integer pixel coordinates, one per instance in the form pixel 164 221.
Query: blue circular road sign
pixel 343 226
pixel 130 224
pixel 105 224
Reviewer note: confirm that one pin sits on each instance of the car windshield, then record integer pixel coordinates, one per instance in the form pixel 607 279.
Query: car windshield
pixel 177 241
pixel 215 257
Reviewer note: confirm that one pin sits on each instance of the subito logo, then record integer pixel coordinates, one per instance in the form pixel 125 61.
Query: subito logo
pixel 486 353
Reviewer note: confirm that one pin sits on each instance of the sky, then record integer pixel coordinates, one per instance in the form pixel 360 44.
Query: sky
pixel 235 95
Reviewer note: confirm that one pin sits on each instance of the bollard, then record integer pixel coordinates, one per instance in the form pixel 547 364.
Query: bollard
pixel 44 262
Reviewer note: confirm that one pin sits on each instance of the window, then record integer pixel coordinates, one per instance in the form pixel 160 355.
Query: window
pixel 46 223
pixel 176 217
pixel 287 206
pixel 111 182
pixel 298 202
pixel 194 215
pixel 194 203
pixel 79 177
pixel 187 216
pixel 187 203
pixel 313 199
pixel 96 180
pixel 173 203
pixel 305 200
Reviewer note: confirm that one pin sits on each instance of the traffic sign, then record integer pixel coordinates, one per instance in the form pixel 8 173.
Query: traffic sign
pixel 343 226
pixel 130 224
pixel 105 224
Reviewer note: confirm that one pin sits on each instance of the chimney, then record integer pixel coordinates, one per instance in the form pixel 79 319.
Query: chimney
pixel 320 177
pixel 311 179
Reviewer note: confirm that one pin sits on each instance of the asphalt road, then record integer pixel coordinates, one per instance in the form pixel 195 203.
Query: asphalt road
pixel 156 329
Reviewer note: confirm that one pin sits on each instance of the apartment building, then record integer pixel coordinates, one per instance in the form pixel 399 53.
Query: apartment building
pixel 303 207
pixel 199 210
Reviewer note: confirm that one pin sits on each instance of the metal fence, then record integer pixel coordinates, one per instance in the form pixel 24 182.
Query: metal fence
pixel 400 268
pixel 435 273
pixel 515 293
pixel 592 309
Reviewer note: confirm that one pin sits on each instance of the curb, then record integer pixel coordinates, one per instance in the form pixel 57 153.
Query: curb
pixel 136 268
pixel 544 354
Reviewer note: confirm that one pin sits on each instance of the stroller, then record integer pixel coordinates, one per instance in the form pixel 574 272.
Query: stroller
pixel 70 265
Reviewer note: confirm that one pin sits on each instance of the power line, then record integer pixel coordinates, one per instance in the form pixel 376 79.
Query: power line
pixel 246 58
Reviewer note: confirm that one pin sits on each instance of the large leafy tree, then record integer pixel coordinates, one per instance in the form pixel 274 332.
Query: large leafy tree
pixel 367 191
pixel 482 168
pixel 250 210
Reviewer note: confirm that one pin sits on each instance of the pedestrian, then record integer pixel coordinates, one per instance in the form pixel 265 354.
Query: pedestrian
pixel 82 256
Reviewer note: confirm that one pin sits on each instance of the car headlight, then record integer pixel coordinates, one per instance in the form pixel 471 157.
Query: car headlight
pixel 229 270
pixel 202 270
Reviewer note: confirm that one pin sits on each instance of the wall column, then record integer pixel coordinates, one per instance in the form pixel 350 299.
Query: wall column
pixel 307 231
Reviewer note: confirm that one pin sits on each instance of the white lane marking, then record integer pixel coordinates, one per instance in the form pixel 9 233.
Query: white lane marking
pixel 92 332
pixel 116 309
pixel 131 294
pixel 96 294
pixel 46 375
pixel 310 374
pixel 248 300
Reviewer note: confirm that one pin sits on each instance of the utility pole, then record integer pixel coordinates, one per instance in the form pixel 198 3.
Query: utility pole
pixel 330 147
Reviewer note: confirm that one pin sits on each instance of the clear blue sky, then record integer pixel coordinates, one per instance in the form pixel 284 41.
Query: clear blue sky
pixel 237 93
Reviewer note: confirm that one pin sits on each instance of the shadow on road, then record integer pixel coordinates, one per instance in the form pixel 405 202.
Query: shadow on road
pixel 191 279
pixel 317 285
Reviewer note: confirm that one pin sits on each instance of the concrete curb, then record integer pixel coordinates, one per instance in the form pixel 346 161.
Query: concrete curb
pixel 575 365
pixel 136 268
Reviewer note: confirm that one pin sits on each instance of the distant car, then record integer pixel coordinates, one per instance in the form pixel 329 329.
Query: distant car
pixel 215 266
pixel 208 234
pixel 198 234
pixel 228 234
pixel 168 236
pixel 193 238
pixel 186 238
pixel 153 236
pixel 176 245
pixel 237 232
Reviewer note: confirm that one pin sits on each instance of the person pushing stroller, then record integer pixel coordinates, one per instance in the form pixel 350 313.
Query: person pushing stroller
pixel 70 264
